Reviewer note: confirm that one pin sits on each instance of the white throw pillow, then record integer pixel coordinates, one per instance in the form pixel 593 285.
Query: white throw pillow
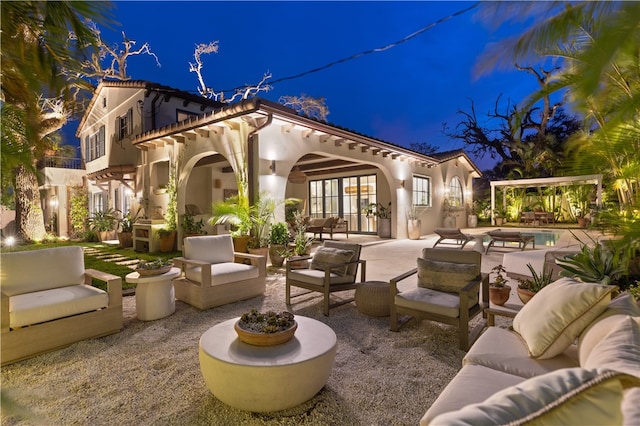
pixel 569 396
pixel 550 322
pixel 620 349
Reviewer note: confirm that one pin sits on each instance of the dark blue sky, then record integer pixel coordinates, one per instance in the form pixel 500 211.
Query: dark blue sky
pixel 401 95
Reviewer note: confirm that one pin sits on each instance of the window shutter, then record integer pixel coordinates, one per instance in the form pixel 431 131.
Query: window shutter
pixel 101 149
pixel 118 135
pixel 130 121
pixel 87 150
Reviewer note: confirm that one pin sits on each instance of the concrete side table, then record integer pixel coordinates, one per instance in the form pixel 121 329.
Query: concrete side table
pixel 155 296
pixel 267 378
pixel 372 298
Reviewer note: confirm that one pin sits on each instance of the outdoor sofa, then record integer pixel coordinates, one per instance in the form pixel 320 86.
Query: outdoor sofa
pixel 48 302
pixel 536 372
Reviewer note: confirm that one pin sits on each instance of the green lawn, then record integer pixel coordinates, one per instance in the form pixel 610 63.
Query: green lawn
pixel 91 262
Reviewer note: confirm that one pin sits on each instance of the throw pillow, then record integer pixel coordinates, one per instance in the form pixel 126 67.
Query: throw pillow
pixel 570 396
pixel 326 257
pixel 620 349
pixel 449 277
pixel 550 322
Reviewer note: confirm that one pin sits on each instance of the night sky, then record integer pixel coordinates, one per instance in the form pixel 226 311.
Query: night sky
pixel 402 95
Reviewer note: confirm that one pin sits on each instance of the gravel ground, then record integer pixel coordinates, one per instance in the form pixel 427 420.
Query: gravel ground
pixel 149 373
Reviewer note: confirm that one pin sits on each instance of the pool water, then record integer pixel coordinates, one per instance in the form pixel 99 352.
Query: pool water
pixel 542 238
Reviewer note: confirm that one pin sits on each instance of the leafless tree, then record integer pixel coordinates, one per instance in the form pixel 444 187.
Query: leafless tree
pixel 244 92
pixel 308 105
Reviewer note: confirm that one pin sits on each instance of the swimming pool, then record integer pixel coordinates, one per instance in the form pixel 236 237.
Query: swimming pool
pixel 543 238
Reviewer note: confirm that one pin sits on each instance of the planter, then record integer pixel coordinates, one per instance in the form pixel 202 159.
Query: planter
pixel 262 251
pixel 449 222
pixel 499 295
pixel 153 272
pixel 525 295
pixel 265 339
pixel 105 235
pixel 274 254
pixel 298 264
pixel 167 242
pixel 126 239
pixel 472 221
pixel 499 221
pixel 240 243
pixel 414 227
pixel 582 222
pixel 384 228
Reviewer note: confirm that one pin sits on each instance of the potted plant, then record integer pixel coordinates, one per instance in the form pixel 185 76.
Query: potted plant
pixel 500 215
pixel 301 245
pixel 261 214
pixel 234 211
pixel 125 233
pixel 154 267
pixel 472 219
pixel 103 223
pixel 527 288
pixel 266 329
pixel 191 227
pixel 278 240
pixel 383 216
pixel 414 224
pixel 498 289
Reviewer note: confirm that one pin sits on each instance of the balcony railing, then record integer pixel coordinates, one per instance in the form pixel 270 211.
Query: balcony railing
pixel 62 162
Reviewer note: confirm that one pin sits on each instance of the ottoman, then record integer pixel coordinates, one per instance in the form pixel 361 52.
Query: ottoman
pixel 372 298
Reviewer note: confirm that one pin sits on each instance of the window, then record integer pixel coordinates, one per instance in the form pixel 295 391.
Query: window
pixel 98 201
pixel 94 145
pixel 124 125
pixel 421 191
pixel 455 192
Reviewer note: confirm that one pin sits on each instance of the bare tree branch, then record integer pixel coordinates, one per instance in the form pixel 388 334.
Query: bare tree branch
pixel 308 105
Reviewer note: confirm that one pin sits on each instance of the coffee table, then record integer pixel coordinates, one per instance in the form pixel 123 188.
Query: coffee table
pixel 267 378
pixel 155 296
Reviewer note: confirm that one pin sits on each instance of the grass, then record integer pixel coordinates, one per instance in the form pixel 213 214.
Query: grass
pixel 91 262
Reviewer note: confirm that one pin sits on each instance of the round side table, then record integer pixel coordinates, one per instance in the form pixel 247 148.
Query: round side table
pixel 372 298
pixel 267 378
pixel 155 296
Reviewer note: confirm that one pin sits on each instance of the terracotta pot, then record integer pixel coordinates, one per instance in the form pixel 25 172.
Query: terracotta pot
pixel 274 254
pixel 126 239
pixel 298 264
pixel 240 243
pixel 265 339
pixel 167 242
pixel 525 295
pixel 262 251
pixel 499 295
pixel 472 221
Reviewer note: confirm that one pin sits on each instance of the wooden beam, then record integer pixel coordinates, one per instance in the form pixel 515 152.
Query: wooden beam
pixel 352 146
pixel 287 128
pixel 385 154
pixel 394 156
pixel 339 142
pixel 376 151
pixel 324 138
pixel 364 148
pixel 203 133
pixel 178 138
pixel 307 133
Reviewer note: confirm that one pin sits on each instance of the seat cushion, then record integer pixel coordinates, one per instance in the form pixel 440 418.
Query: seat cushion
pixel 222 273
pixel 315 276
pixel 209 248
pixel 552 320
pixel 570 396
pixel 504 350
pixel 449 277
pixel 472 384
pixel 327 257
pixel 46 305
pixel 428 300
pixel 47 269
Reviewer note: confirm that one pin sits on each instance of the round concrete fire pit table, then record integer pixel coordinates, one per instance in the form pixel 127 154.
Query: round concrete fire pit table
pixel 267 378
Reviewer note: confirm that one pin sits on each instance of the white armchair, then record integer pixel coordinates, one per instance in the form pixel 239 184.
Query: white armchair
pixel 214 275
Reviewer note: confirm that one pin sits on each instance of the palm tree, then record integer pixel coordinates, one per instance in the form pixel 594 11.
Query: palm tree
pixel 36 59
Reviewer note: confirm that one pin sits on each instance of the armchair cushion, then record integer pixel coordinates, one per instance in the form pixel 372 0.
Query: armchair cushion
pixel 316 277
pixel 428 300
pixel 328 257
pixel 46 305
pixel 552 321
pixel 222 273
pixel 449 277
pixel 209 248
pixel 566 396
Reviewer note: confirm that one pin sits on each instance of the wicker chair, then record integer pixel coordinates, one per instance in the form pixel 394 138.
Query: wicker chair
pixel 448 291
pixel 327 276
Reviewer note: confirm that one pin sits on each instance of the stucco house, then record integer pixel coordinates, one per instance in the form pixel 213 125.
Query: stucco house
pixel 135 133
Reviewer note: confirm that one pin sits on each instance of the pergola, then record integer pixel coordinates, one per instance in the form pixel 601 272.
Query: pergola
pixel 545 182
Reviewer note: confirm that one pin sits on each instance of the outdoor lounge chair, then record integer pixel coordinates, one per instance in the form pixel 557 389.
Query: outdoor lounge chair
pixel 450 289
pixel 510 237
pixel 334 268
pixel 452 234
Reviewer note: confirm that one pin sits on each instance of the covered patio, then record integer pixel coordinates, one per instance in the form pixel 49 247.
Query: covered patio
pixel 552 182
